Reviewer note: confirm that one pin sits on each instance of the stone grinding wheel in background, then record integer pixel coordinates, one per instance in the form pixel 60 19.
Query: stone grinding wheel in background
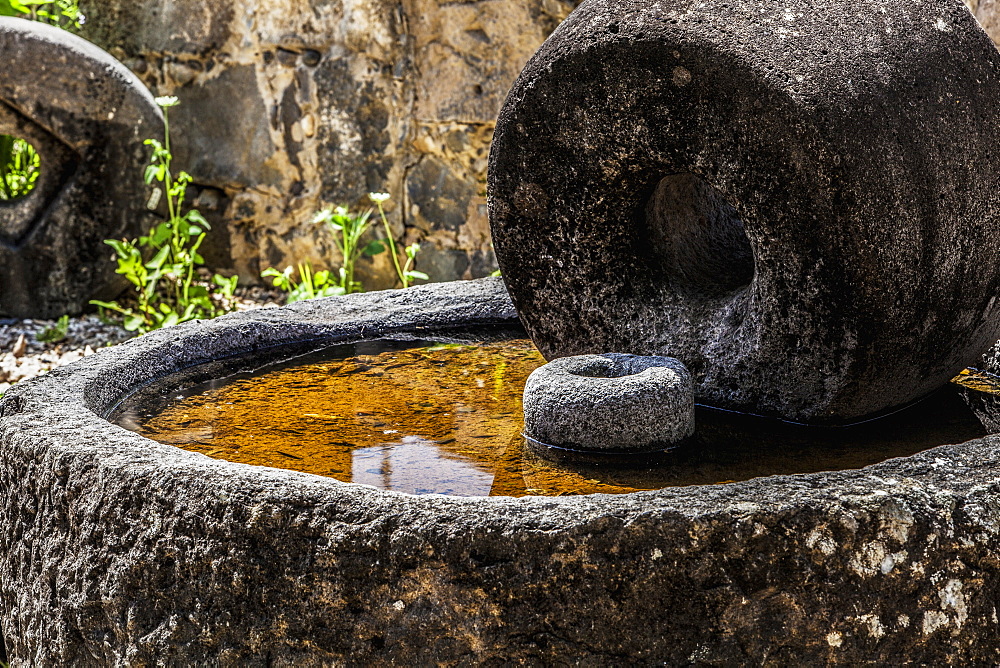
pixel 87 116
pixel 798 200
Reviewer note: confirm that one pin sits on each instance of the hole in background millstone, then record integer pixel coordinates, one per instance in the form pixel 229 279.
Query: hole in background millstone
pixel 697 237
pixel 20 166
pixel 3 651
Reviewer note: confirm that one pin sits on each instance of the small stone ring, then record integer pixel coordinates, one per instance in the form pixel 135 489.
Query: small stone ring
pixel 614 403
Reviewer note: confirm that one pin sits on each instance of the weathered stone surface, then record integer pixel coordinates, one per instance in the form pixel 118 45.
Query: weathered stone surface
pixel 808 224
pixel 610 403
pixel 87 117
pixel 115 550
pixel 288 106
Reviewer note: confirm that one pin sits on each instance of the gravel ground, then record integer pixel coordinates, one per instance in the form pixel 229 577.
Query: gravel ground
pixel 23 356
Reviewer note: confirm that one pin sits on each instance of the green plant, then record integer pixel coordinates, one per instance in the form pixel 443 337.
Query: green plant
pixel 311 284
pixel 347 230
pixel 19 167
pixel 55 333
pixel 167 291
pixel 63 13
pixel 406 273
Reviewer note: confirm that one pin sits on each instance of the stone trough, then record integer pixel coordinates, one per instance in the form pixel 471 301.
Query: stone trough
pixel 116 550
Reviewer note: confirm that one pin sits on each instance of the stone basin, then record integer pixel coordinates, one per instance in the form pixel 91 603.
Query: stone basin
pixel 116 550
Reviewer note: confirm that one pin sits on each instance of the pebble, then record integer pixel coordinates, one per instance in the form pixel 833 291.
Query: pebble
pixel 20 347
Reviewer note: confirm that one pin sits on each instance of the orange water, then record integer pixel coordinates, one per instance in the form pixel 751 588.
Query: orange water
pixel 422 417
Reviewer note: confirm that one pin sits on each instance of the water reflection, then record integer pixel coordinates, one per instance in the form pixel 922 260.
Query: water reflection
pixel 417 466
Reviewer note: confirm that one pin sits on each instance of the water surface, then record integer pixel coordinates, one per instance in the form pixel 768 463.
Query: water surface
pixel 424 417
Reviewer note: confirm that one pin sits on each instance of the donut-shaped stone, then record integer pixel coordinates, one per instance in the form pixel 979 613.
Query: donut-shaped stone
pixel 800 200
pixel 87 116
pixel 609 403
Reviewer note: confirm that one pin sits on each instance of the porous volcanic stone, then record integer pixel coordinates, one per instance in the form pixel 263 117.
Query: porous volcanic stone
pixel 610 403
pixel 115 550
pixel 797 199
pixel 87 116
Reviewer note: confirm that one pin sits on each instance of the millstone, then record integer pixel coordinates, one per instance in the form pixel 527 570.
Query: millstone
pixel 87 116
pixel 799 200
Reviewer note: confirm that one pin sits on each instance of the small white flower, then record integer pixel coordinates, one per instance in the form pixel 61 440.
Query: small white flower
pixel 167 101
pixel 378 197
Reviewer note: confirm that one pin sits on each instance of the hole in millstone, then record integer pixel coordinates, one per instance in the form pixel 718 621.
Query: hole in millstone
pixel 697 237
pixel 20 166
pixel 3 651
pixel 613 366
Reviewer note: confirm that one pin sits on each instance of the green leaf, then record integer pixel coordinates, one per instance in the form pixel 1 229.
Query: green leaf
pixel 111 306
pixel 55 332
pixel 160 234
pixel 195 216
pixel 122 248
pixel 373 248
pixel 418 274
pixel 227 284
pixel 159 258
pixel 133 322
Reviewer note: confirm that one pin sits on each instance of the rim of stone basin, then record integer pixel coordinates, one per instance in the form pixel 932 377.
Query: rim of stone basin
pixel 116 549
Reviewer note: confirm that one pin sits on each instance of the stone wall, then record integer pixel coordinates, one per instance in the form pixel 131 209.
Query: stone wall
pixel 988 14
pixel 288 106
pixel 292 105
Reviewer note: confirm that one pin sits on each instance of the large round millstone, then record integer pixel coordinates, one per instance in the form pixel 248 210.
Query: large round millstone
pixel 116 550
pixel 799 200
pixel 87 116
